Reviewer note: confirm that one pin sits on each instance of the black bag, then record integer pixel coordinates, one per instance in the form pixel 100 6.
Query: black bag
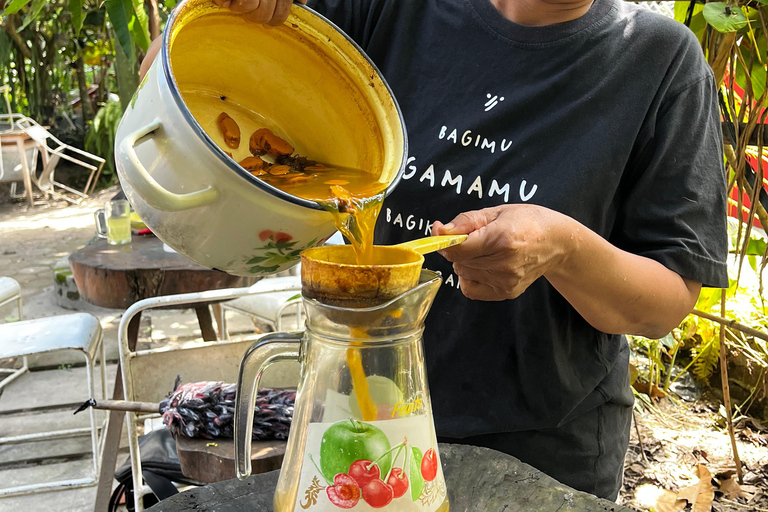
pixel 160 467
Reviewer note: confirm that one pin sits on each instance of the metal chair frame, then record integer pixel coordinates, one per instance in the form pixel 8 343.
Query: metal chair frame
pixel 96 439
pixel 14 373
pixel 51 156
pixel 141 361
pixel 276 323
pixel 13 119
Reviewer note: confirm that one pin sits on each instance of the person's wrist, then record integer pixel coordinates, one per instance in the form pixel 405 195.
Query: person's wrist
pixel 566 243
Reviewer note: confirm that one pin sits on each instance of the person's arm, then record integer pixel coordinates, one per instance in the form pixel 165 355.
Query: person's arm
pixel 617 292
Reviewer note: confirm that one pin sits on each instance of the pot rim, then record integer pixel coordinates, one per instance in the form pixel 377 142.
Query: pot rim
pixel 207 141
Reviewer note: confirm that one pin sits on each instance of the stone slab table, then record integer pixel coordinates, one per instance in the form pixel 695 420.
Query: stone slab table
pixel 478 479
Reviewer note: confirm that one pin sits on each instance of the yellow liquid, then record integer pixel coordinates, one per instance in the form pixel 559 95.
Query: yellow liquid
pixel 118 230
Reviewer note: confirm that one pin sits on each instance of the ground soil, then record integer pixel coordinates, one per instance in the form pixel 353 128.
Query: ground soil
pixel 674 437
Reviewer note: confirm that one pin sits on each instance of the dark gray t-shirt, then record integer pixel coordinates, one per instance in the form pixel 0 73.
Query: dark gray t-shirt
pixel 611 119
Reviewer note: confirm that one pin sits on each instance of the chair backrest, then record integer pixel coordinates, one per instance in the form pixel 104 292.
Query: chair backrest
pixel 10 162
pixel 36 132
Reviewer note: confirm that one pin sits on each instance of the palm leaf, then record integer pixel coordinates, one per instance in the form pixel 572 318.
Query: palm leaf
pixel 15 6
pixel 33 14
pixel 140 28
pixel 121 16
pixel 75 8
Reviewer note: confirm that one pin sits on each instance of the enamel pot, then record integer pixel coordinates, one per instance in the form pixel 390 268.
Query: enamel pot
pixel 305 79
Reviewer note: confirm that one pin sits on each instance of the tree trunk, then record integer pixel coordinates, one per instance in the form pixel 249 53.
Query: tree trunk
pixel 82 85
pixel 10 27
pixel 127 76
pixel 154 19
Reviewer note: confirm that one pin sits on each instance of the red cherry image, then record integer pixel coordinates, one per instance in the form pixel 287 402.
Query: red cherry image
pixel 377 494
pixel 344 493
pixel 398 481
pixel 359 470
pixel 429 465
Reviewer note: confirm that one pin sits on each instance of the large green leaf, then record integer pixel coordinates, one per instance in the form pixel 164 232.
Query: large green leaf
pixel 140 28
pixel 33 14
pixel 122 17
pixel 757 76
pixel 75 8
pixel 724 17
pixel 756 247
pixel 681 10
pixel 14 6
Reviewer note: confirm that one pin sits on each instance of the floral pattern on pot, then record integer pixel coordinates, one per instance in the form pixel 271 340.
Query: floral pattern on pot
pixel 280 249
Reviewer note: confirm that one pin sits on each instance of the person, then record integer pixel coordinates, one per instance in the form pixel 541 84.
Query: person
pixel 578 144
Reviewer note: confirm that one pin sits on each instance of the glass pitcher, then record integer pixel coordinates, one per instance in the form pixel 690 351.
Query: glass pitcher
pixel 362 434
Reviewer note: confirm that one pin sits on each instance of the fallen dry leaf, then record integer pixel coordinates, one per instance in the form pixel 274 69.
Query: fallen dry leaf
pixel 654 391
pixel 650 497
pixel 730 488
pixel 700 494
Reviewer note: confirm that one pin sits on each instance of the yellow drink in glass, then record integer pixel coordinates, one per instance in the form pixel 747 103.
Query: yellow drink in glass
pixel 118 214
pixel 118 230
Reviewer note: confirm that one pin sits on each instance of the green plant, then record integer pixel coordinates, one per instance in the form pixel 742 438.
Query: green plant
pixel 101 135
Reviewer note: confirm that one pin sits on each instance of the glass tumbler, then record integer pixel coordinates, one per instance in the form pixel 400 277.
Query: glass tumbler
pixel 118 215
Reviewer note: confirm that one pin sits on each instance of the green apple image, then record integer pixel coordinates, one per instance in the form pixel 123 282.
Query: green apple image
pixel 384 393
pixel 351 440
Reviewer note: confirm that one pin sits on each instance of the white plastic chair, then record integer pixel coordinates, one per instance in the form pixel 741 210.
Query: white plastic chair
pixel 10 292
pixel 52 151
pixel 281 310
pixel 148 374
pixel 78 332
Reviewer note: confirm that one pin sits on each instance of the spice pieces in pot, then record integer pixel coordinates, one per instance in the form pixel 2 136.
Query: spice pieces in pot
pixel 254 165
pixel 274 163
pixel 229 130
pixel 264 142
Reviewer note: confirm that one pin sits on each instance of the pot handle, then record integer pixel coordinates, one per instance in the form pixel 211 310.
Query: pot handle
pixel 269 349
pixel 150 190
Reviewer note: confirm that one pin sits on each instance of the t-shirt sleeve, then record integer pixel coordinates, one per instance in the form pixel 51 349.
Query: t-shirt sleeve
pixel 356 18
pixel 672 208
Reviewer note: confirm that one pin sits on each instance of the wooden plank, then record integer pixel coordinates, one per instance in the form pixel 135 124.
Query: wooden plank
pixel 213 460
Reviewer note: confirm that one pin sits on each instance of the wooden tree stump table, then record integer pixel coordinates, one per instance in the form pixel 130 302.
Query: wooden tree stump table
pixel 116 276
pixel 478 479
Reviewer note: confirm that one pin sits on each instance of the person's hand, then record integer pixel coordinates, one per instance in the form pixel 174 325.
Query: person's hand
pixel 269 12
pixel 508 248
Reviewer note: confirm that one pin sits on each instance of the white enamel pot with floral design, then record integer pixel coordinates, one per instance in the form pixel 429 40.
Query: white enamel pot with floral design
pixel 305 80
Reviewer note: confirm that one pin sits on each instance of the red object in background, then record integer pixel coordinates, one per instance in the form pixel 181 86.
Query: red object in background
pixel 733 197
pixel 145 231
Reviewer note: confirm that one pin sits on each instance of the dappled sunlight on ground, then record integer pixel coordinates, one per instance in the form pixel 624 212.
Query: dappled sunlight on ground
pixel 677 438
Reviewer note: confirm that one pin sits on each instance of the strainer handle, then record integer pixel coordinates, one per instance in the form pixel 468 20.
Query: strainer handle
pixel 269 349
pixel 153 192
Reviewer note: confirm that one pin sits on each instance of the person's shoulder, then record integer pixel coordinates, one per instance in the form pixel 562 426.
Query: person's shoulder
pixel 660 37
pixel 643 24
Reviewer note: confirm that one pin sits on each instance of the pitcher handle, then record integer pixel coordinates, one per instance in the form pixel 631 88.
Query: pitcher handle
pixel 270 349
pixel 150 190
